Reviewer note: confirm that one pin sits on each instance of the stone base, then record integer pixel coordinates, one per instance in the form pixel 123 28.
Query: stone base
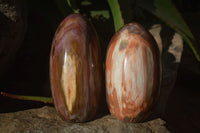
pixel 46 120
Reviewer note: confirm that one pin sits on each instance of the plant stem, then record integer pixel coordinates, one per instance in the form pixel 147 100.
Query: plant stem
pixel 116 13
pixel 31 98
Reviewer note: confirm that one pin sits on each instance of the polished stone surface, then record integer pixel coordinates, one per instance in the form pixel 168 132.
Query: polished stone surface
pixel 76 69
pixel 133 73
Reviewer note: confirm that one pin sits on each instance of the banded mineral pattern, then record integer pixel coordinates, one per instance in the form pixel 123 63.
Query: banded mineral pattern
pixel 75 69
pixel 132 73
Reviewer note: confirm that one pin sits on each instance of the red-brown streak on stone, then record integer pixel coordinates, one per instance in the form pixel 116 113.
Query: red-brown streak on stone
pixel 97 64
pixel 79 82
pixel 91 84
pixel 123 76
pixel 69 93
pixel 91 77
pixel 144 105
pixel 136 73
pixel 86 85
pixel 131 110
pixel 114 103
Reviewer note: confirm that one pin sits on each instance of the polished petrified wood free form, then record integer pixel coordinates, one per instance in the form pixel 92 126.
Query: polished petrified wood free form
pixel 133 73
pixel 75 69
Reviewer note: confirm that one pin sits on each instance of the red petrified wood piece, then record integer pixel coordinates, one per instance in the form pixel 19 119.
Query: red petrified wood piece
pixel 75 70
pixel 132 73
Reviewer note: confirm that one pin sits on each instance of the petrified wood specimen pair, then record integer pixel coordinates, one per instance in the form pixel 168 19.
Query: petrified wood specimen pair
pixel 132 71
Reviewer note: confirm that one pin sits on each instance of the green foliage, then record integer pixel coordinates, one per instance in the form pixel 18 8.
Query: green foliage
pixel 117 17
pixel 37 98
pixel 104 13
pixel 72 4
pixel 165 10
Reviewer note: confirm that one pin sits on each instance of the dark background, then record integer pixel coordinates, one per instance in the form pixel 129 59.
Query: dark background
pixel 29 74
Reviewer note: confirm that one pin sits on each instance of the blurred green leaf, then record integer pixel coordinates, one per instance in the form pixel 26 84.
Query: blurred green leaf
pixel 72 4
pixel 86 3
pixel 116 13
pixel 104 13
pixel 165 10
